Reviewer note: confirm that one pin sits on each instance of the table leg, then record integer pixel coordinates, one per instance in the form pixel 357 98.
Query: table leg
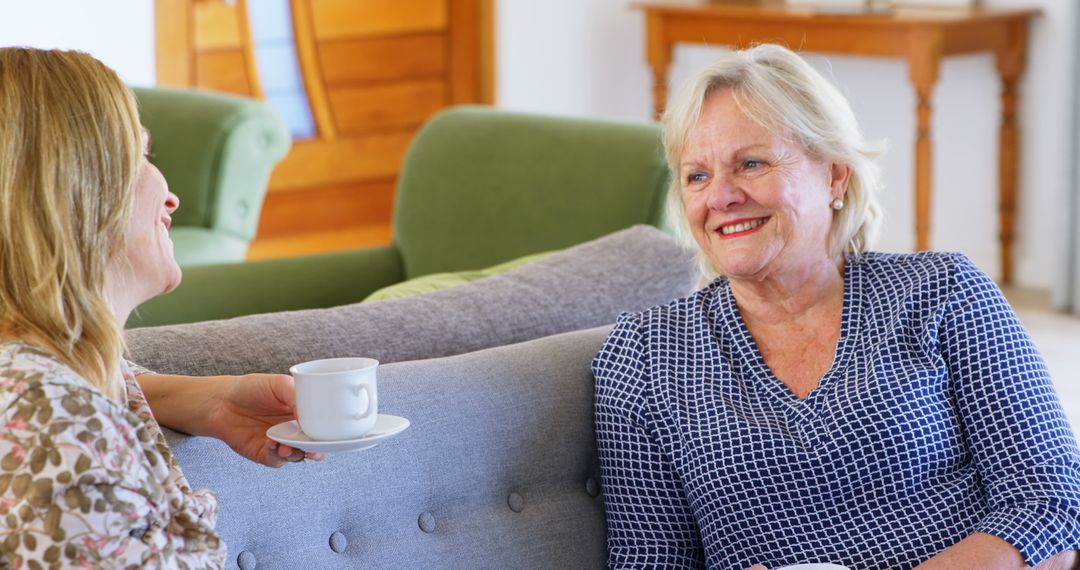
pixel 1007 161
pixel 659 93
pixel 924 165
pixel 1010 65
pixel 924 57
pixel 658 54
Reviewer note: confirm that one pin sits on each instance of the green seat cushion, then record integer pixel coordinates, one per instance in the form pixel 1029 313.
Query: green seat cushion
pixel 439 281
pixel 193 245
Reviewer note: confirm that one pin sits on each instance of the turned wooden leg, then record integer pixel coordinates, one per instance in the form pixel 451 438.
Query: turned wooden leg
pixel 658 54
pixel 1010 64
pixel 659 91
pixel 924 59
pixel 924 163
pixel 1007 163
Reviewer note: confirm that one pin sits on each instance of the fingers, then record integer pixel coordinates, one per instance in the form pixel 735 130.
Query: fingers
pixel 290 454
pixel 280 454
pixel 758 567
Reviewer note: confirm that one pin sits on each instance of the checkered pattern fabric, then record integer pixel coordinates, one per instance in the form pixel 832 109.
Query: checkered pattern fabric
pixel 936 420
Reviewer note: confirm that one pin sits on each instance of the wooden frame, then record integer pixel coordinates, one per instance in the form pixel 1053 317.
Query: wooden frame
pixel 351 164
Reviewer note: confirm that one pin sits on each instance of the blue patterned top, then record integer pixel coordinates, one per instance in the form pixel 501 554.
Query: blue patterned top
pixel 937 419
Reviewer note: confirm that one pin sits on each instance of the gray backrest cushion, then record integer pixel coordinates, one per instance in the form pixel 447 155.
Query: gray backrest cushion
pixel 583 286
pixel 508 420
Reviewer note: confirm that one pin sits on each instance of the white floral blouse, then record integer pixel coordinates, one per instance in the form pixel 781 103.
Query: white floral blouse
pixel 86 483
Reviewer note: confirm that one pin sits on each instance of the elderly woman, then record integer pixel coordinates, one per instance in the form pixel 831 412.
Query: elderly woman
pixel 86 478
pixel 819 402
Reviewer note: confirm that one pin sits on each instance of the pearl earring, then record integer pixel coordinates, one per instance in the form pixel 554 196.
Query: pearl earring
pixel 837 204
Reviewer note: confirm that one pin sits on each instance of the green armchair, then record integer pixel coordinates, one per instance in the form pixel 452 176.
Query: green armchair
pixel 216 152
pixel 478 187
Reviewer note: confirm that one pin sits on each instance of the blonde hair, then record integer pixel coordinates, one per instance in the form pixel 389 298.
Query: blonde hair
pixel 781 92
pixel 70 146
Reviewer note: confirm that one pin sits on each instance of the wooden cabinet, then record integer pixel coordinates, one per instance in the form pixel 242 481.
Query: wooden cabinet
pixel 371 71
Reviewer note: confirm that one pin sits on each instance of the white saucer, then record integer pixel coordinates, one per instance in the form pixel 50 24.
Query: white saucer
pixel 290 434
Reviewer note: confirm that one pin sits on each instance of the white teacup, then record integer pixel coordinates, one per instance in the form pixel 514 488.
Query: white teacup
pixel 336 398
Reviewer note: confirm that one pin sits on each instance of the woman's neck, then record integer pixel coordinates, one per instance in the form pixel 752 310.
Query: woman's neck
pixel 785 297
pixel 118 295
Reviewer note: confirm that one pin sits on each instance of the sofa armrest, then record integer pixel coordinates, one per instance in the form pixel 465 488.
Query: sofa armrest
pixel 216 152
pixel 228 290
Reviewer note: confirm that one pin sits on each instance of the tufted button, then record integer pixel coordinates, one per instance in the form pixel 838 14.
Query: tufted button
pixel 592 487
pixel 246 560
pixel 266 140
pixel 427 522
pixel 516 502
pixel 338 542
pixel 242 208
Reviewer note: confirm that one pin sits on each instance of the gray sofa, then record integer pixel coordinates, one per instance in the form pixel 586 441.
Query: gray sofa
pixel 499 466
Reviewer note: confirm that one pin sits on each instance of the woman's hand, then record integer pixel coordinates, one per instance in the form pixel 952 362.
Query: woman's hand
pixel 249 405
pixel 758 567
pixel 235 409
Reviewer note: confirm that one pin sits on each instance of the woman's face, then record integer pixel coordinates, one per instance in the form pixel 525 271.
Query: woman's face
pixel 149 248
pixel 757 204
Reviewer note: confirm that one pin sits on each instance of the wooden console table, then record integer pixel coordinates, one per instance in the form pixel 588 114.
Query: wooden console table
pixel 922 36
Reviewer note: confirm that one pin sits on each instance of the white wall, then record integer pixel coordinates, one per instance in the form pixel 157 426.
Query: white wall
pixel 585 58
pixel 118 32
pixel 1067 289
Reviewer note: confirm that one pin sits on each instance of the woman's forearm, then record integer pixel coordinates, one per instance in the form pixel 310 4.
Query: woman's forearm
pixel 1063 561
pixel 982 551
pixel 181 403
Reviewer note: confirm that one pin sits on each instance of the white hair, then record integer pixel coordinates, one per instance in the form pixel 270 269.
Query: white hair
pixel 781 92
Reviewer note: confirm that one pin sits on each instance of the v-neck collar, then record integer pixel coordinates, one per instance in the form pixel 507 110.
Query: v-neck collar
pixel 762 377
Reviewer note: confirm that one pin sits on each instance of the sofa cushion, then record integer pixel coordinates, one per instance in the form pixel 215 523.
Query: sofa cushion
pixel 580 287
pixel 439 281
pixel 499 469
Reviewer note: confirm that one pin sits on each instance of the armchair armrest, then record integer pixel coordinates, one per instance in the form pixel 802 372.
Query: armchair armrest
pixel 216 152
pixel 233 289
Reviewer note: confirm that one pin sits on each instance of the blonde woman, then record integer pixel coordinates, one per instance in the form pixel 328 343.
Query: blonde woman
pixel 819 402
pixel 86 478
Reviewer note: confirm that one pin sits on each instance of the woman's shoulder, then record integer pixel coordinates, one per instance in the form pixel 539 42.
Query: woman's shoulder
pixel 29 356
pixel 920 260
pixel 27 368
pixel 696 304
pixel 67 439
pixel 668 322
pixel 39 388
pixel 45 404
pixel 925 268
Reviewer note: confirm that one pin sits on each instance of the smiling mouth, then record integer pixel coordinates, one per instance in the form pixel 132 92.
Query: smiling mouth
pixel 738 228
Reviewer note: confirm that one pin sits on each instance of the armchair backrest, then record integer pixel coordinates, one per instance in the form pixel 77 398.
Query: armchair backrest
pixel 481 186
pixel 216 152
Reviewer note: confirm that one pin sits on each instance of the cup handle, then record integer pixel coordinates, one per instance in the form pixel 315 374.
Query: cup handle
pixel 370 403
